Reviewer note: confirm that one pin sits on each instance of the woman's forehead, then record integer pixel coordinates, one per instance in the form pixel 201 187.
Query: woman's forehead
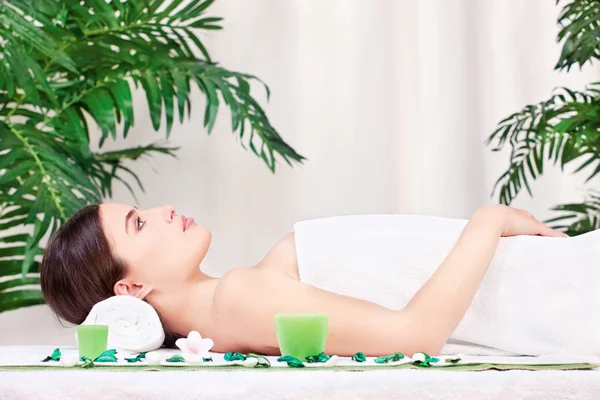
pixel 113 217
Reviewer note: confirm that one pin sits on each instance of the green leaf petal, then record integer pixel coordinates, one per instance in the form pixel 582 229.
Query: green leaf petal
pixel 263 362
pixel 137 358
pixel 55 356
pixel 175 358
pixel 452 360
pixel 87 363
pixel 319 358
pixel 291 361
pixel 231 356
pixel 107 356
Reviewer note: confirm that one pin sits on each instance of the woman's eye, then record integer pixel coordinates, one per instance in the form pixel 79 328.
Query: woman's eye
pixel 139 223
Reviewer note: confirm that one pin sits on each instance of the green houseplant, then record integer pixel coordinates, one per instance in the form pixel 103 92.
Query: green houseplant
pixel 561 130
pixel 69 64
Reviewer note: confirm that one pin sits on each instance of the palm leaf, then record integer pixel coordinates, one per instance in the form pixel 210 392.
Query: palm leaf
pixel 11 300
pixel 578 218
pixel 580 32
pixel 560 130
pixel 67 65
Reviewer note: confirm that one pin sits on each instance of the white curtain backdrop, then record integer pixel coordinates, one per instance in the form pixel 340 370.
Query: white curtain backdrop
pixel 390 101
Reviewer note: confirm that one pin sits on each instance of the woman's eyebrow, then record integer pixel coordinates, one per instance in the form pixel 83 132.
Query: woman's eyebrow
pixel 128 217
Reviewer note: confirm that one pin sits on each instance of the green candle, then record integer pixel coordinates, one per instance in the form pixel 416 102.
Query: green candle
pixel 92 340
pixel 301 334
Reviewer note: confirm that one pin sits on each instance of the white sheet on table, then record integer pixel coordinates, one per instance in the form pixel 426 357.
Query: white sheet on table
pixel 291 384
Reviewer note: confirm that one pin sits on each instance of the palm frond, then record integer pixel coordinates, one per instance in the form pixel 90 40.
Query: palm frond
pixel 560 130
pixel 580 32
pixel 109 166
pixel 578 218
pixel 166 27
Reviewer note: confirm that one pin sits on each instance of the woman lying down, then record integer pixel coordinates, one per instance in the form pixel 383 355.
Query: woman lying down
pixel 499 283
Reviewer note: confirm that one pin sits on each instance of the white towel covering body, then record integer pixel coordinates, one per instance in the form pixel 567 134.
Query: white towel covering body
pixel 133 324
pixel 541 295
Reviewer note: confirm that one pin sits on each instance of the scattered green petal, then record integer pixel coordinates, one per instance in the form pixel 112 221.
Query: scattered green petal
pixel 55 356
pixel 107 356
pixel 285 358
pixel 452 360
pixel 424 364
pixel 175 358
pixel 390 358
pixel 359 357
pixel 87 362
pixel 137 358
pixel 291 361
pixel 295 363
pixel 207 359
pixel 263 362
pixel 106 359
pixel 231 356
pixel 319 358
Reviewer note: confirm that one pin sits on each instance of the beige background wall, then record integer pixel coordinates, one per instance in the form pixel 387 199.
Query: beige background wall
pixel 390 101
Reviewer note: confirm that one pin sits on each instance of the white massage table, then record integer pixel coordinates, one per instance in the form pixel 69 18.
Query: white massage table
pixel 291 384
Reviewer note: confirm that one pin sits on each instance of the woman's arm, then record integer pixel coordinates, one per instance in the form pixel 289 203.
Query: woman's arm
pixel 443 300
pixel 246 301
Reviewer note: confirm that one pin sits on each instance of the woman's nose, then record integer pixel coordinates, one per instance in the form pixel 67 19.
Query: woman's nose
pixel 169 213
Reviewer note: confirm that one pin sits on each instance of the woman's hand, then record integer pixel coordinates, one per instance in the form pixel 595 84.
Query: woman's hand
pixel 514 221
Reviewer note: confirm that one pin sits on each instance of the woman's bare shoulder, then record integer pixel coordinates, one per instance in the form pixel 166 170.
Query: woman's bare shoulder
pixel 282 256
pixel 237 297
pixel 243 280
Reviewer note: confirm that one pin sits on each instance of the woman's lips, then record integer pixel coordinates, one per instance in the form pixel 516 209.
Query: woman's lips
pixel 187 222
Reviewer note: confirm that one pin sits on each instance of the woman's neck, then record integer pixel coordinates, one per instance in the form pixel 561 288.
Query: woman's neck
pixel 188 308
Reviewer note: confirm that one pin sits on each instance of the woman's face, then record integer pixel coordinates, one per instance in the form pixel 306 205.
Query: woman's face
pixel 157 247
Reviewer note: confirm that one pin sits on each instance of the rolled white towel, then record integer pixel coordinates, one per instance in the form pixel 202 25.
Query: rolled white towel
pixel 133 324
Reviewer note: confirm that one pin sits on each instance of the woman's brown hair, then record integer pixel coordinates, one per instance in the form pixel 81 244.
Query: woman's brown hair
pixel 79 269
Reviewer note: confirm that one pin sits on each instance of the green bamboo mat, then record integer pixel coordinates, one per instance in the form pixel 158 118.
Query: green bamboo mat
pixel 355 368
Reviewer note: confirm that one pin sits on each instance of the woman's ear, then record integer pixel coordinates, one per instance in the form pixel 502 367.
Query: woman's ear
pixel 127 288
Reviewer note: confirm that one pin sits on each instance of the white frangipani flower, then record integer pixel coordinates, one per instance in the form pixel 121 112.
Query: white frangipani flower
pixel 195 344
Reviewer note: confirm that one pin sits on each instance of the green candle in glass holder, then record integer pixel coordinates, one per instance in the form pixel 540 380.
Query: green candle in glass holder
pixel 301 334
pixel 92 340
